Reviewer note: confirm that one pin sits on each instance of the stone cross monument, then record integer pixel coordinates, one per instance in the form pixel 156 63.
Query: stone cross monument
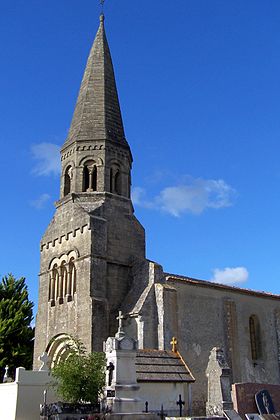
pixel 121 383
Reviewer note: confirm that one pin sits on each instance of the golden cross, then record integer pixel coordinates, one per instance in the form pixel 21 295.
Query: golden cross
pixel 174 343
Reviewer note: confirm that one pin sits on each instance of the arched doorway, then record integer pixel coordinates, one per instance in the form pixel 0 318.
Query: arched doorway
pixel 59 348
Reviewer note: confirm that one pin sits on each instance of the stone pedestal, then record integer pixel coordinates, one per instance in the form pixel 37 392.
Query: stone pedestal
pixel 122 387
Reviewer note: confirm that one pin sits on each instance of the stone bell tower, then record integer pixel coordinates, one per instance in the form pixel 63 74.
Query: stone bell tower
pixel 94 240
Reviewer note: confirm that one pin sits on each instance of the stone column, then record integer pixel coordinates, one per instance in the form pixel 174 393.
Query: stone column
pixel 60 286
pixel 56 284
pixel 69 282
pixel 52 288
pixel 64 281
pixel 73 280
pixel 90 170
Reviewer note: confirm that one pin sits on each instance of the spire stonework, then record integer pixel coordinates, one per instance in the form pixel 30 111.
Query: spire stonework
pixel 97 113
pixel 96 151
pixel 93 242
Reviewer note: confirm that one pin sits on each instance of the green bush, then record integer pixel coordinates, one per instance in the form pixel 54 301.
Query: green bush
pixel 81 377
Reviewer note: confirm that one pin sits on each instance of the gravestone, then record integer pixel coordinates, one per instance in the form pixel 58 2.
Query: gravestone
pixel 44 359
pixel 264 402
pixel 232 415
pixel 121 383
pixel 269 416
pixel 7 378
pixel 219 384
pixel 252 416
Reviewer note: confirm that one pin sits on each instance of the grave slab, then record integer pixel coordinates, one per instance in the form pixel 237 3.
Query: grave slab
pixel 232 415
pixel 243 396
pixel 252 416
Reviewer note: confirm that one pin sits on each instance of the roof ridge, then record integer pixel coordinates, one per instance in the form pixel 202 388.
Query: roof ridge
pixel 199 282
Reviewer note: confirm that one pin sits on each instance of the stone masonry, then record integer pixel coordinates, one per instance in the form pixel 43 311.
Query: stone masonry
pixel 93 261
pixel 94 221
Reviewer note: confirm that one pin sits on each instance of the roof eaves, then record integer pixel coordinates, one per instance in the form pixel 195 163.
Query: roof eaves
pixel 205 283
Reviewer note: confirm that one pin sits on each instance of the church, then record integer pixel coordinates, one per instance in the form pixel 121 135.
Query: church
pixel 93 260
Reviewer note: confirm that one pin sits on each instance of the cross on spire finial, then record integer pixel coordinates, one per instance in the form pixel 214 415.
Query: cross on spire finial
pixel 102 5
pixel 174 343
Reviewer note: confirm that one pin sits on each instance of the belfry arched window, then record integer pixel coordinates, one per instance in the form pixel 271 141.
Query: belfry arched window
pixel 115 180
pixel 90 177
pixel 67 180
pixel 255 338
pixel 62 280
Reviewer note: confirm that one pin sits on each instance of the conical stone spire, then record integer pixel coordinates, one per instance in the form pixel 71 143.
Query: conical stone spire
pixel 97 114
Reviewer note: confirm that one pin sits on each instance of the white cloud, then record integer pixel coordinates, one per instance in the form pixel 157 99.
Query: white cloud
pixel 192 196
pixel 47 157
pixel 229 275
pixel 41 201
pixel 138 196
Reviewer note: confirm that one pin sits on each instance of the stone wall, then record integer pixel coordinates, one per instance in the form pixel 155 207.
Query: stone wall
pixel 106 240
pixel 20 400
pixel 209 317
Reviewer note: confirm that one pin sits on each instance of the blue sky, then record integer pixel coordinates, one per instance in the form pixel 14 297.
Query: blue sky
pixel 199 88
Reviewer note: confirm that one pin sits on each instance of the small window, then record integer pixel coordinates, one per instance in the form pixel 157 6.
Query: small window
pixel 115 181
pixel 86 179
pixel 255 339
pixel 67 180
pixel 72 271
pixel 50 288
pixel 55 286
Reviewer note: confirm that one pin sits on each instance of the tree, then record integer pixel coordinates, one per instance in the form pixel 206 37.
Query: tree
pixel 16 334
pixel 81 377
